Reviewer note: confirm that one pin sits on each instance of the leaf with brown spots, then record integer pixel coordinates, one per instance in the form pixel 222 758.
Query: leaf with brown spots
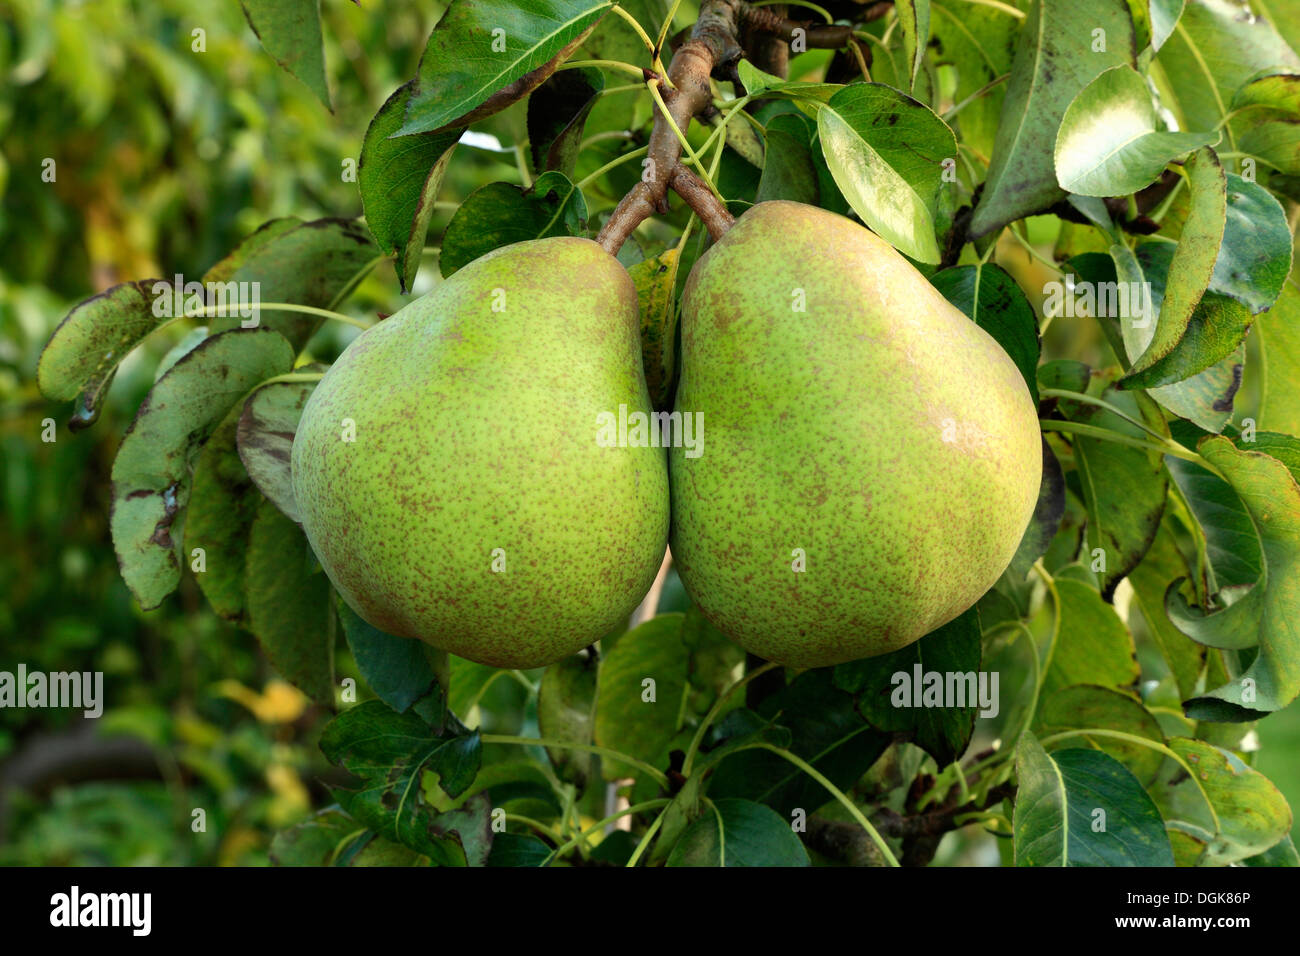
pixel 265 439
pixel 82 355
pixel 152 471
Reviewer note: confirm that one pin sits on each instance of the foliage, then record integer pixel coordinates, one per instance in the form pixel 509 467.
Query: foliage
pixel 1071 176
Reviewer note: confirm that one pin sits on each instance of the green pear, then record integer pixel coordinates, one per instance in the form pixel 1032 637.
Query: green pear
pixel 871 458
pixel 448 467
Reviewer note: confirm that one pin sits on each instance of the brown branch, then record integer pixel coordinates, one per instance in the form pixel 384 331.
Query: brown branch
pixel 713 44
pixel 711 210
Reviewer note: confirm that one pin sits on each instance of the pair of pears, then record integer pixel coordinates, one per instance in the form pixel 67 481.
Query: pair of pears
pixel 869 463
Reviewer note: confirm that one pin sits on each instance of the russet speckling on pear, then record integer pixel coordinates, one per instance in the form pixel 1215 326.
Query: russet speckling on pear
pixel 860 428
pixel 474 508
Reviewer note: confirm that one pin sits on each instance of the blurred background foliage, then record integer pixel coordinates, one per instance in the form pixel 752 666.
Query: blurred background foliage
pixel 164 157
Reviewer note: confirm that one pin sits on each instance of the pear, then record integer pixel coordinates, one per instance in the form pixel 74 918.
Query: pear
pixel 873 456
pixel 448 467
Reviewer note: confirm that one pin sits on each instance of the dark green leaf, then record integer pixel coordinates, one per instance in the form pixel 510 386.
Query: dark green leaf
pixel 893 691
pixel 557 114
pixel 499 214
pixel 399 181
pixel 399 670
pixel 307 263
pixel 290 32
pixel 289 604
pixel 223 503
pixel 989 295
pixel 1083 808
pixel 517 849
pixel 388 752
pixel 1124 488
pixel 826 730
pixel 484 55
pixel 738 833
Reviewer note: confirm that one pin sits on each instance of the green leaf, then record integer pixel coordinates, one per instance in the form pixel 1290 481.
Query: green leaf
pixel 152 470
pixel 627 718
pixel 1083 808
pixel 788 168
pixel 517 849
pixel 1269 89
pixel 1112 143
pixel 1163 15
pixel 85 350
pixel 307 263
pixel 887 688
pixel 388 752
pixel 1245 814
pixel 223 503
pixel 289 604
pixel 399 181
pixel 1278 331
pixel 557 115
pixel 1231 545
pixel 759 84
pixel 1191 267
pixel 566 710
pixel 1124 488
pixel 290 32
pixel 1093 646
pixel 1255 257
pixel 1268 615
pixel 317 841
pixel 989 295
pixel 827 730
pixel 1280 854
pixel 1046 520
pixel 885 151
pixel 484 55
pixel 265 439
pixel 1206 397
pixel 399 670
pixel 979 41
pixel 1276 142
pixel 738 833
pixel 467 682
pixel 914 17
pixel 1162 565
pixel 1084 707
pixel 1210 54
pixel 189 341
pixel 499 214
pixel 1055 59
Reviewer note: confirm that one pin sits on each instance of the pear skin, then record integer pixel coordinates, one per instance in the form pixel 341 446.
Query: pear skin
pixel 448 471
pixel 872 456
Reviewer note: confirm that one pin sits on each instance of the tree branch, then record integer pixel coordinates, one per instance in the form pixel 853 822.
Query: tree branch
pixel 714 43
